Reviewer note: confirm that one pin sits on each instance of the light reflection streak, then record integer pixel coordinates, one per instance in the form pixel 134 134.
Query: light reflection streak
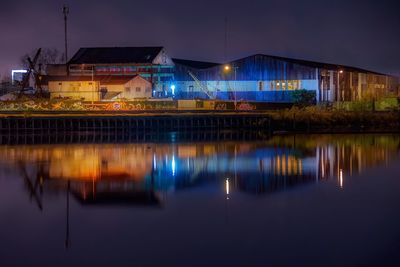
pixel 227 188
pixel 173 165
pixel 341 178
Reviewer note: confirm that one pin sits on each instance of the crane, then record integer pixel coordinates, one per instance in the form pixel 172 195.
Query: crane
pixel 202 86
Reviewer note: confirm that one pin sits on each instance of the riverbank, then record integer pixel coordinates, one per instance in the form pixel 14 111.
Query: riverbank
pixel 322 120
pixel 309 119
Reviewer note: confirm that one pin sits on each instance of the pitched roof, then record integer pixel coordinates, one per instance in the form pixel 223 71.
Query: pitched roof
pixel 314 64
pixel 103 79
pixel 115 55
pixel 195 64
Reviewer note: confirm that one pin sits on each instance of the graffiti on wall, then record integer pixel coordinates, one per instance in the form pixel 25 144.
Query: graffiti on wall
pixel 220 106
pixel 246 106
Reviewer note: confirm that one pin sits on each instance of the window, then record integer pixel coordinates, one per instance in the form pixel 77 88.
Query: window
pixel 103 92
pixel 127 89
pixel 260 85
pixel 148 89
pixel 138 89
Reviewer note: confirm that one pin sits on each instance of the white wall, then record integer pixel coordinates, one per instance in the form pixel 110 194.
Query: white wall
pixel 86 90
pixel 163 59
pixel 129 89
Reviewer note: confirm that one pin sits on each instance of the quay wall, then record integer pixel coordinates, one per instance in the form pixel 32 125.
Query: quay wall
pixel 100 122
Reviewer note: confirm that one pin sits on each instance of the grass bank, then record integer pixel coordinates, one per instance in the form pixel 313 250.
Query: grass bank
pixel 324 120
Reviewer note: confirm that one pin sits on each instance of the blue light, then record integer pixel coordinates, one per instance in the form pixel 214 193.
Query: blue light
pixel 173 89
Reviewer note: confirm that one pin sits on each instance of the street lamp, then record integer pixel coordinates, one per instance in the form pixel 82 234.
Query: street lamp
pixel 227 68
pixel 339 94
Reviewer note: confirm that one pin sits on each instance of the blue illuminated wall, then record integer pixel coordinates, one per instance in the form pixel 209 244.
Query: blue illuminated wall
pixel 255 78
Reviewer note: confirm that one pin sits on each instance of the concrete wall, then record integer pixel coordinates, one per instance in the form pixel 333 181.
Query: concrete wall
pixel 83 90
pixel 90 90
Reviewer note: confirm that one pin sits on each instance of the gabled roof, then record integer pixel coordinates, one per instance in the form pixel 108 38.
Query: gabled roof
pixel 103 79
pixel 115 55
pixel 195 64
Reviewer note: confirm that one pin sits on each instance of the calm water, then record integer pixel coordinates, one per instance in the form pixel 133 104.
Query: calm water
pixel 305 200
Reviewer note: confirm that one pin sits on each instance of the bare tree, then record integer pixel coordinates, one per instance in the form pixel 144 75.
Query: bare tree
pixel 47 56
pixel 5 78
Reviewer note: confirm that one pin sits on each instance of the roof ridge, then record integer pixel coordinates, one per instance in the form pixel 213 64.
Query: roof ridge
pixel 300 61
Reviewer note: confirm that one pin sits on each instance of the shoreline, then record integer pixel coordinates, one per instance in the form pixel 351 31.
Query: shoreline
pixel 289 121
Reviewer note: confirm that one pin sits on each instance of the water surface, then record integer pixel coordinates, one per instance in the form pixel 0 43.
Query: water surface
pixel 304 200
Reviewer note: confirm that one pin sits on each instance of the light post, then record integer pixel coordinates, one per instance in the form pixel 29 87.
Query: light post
pixel 228 68
pixel 65 12
pixel 339 94
pixel 93 87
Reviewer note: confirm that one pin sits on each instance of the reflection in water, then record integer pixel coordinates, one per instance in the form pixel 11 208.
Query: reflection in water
pixel 144 173
pixel 80 176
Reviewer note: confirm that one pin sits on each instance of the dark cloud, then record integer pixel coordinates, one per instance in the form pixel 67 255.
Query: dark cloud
pixel 360 33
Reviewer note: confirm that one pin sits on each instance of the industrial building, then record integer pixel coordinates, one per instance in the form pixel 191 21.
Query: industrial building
pixel 274 79
pixel 254 78
pixel 116 72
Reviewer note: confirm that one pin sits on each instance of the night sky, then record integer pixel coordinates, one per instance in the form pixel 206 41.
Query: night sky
pixel 364 33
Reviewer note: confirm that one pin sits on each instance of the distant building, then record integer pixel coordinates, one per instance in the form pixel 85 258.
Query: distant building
pixel 254 78
pixel 17 76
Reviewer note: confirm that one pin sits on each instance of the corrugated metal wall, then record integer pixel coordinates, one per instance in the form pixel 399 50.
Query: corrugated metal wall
pixel 254 68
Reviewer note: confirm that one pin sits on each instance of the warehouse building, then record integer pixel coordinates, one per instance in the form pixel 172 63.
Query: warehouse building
pixel 274 79
pixel 254 78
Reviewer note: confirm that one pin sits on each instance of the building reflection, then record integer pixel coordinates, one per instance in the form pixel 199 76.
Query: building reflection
pixel 142 174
